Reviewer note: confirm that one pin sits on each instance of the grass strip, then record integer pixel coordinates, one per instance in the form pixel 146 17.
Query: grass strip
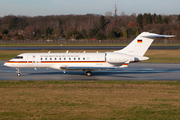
pixel 64 44
pixel 15 83
pixel 89 100
pixel 81 44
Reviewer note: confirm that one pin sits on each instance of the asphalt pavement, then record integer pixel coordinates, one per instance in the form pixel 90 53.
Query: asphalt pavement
pixel 135 71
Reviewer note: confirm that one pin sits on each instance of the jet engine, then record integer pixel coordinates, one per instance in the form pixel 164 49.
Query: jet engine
pixel 117 58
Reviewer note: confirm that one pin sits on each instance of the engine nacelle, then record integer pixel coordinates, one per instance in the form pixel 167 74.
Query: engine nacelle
pixel 117 58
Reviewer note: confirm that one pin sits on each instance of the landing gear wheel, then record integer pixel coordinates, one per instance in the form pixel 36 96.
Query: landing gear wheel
pixel 18 74
pixel 88 73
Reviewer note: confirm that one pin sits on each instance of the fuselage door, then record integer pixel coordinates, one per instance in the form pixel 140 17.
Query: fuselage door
pixel 30 60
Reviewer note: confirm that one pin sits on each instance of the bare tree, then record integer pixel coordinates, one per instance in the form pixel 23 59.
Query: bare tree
pixel 108 14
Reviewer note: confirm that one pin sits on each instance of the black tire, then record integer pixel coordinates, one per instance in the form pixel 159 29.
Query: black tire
pixel 88 73
pixel 19 74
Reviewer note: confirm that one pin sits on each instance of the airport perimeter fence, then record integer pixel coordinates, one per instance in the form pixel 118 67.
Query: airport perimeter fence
pixel 83 41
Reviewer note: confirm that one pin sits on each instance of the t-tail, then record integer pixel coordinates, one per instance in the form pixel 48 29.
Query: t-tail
pixel 140 44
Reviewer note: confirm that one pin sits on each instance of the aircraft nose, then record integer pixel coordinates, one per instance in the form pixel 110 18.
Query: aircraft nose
pixel 6 64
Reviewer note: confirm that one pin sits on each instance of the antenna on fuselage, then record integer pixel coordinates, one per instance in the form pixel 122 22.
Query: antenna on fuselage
pixel 67 51
pixel 49 52
pixel 84 52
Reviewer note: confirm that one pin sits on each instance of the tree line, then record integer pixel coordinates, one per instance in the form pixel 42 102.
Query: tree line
pixel 89 26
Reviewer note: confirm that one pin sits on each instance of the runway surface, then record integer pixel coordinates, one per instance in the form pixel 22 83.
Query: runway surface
pixel 81 47
pixel 135 71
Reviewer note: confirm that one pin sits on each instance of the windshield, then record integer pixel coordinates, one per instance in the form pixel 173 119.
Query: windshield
pixel 18 57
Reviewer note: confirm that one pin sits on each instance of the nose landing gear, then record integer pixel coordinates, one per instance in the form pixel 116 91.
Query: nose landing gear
pixel 18 72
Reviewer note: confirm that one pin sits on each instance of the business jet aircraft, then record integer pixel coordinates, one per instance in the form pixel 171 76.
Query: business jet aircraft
pixel 87 62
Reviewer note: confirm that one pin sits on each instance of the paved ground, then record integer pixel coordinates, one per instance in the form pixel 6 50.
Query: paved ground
pixel 135 71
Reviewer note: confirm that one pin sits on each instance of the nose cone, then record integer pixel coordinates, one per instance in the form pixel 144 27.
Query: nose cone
pixel 7 64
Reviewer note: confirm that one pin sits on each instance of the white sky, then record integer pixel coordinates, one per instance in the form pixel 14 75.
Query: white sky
pixel 63 7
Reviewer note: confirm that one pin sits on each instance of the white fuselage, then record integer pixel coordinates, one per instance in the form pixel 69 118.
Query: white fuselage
pixel 63 60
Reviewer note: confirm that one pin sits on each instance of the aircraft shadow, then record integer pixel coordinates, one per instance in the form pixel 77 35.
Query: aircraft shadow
pixel 107 73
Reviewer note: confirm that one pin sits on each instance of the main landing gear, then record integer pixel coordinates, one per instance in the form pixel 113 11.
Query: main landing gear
pixel 18 72
pixel 88 73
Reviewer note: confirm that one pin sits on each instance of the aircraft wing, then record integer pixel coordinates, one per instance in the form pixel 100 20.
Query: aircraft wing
pixel 89 68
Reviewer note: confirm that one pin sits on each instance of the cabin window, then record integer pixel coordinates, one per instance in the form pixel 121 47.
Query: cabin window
pixel 54 58
pixel 78 58
pixel 50 58
pixel 59 58
pixel 45 58
pixel 69 58
pixel 74 58
pixel 41 58
pixel 18 57
pixel 83 58
pixel 64 58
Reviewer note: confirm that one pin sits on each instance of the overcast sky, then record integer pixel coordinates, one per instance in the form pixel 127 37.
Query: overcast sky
pixel 64 7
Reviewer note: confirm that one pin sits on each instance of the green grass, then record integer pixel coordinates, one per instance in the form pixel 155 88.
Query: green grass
pixel 163 56
pixel 64 44
pixel 89 100
pixel 29 83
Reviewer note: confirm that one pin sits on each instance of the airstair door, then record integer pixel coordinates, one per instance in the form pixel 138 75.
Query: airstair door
pixel 31 61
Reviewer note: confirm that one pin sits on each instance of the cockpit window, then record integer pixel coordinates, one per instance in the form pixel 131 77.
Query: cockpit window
pixel 18 57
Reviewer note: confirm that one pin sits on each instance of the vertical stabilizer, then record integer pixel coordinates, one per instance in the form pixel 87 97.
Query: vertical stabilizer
pixel 141 44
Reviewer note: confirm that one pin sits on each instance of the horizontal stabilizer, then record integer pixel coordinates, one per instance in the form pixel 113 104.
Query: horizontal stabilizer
pixel 156 36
